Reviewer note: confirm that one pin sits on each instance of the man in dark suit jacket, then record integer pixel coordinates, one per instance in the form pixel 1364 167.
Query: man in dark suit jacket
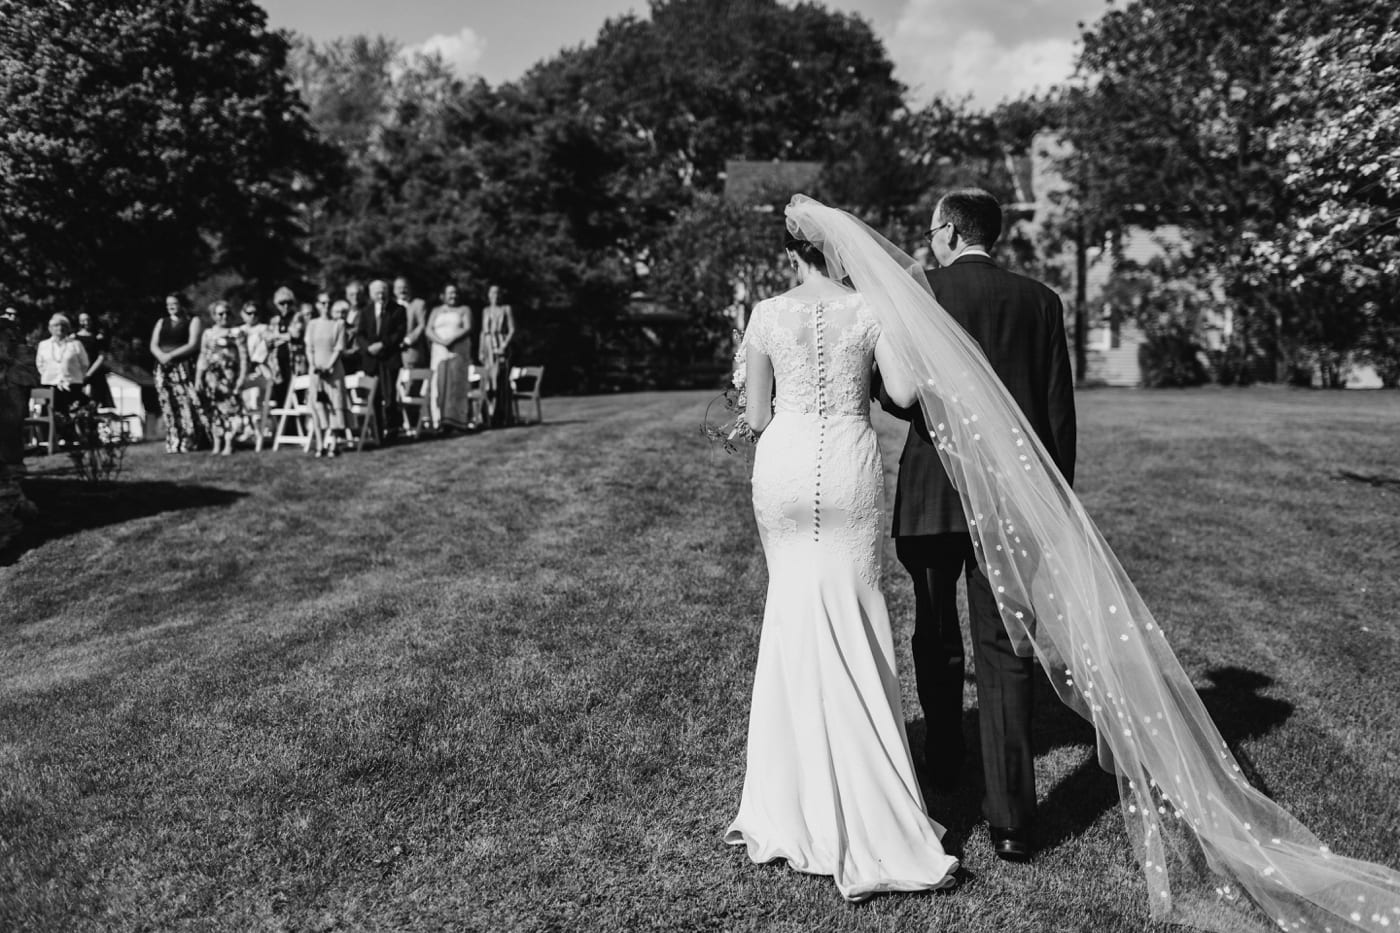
pixel 1019 324
pixel 380 335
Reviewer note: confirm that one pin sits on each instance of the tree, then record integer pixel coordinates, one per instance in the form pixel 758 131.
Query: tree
pixel 566 186
pixel 1231 121
pixel 752 79
pixel 148 144
pixel 1337 141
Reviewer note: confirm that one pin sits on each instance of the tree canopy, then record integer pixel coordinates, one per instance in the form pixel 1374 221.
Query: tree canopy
pixel 1268 132
pixel 147 144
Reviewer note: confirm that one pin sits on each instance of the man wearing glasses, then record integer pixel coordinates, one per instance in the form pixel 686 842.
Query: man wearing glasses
pixel 1019 324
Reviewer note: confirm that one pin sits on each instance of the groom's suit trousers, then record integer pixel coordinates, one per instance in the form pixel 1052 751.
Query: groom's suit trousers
pixel 1005 681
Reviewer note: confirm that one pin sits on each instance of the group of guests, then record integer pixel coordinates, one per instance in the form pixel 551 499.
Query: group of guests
pixel 72 363
pixel 216 382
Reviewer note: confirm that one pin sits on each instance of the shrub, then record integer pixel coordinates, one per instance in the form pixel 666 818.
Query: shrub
pixel 1170 358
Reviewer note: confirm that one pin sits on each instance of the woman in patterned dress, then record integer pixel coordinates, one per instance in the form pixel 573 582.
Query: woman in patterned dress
pixel 174 344
pixel 219 374
pixel 497 332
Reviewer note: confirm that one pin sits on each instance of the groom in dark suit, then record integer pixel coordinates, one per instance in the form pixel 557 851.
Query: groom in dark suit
pixel 380 335
pixel 1019 324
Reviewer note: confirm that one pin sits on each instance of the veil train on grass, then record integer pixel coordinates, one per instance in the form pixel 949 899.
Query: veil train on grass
pixel 1202 835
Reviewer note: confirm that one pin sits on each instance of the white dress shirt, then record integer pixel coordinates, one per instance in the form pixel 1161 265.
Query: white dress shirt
pixel 62 362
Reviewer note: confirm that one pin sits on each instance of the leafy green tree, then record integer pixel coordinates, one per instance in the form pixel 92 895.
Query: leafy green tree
pixel 1337 141
pixel 718 259
pixel 568 185
pixel 1253 126
pixel 148 144
pixel 704 81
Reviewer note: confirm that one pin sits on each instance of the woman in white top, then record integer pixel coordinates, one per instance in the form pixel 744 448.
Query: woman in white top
pixel 62 362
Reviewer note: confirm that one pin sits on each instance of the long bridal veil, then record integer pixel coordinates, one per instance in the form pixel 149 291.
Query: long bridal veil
pixel 1202 835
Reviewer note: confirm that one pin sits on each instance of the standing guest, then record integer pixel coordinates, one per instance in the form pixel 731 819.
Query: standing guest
pixel 62 362
pixel 449 392
pixel 380 335
pixel 174 344
pixel 415 351
pixel 11 316
pixel 325 349
pixel 94 341
pixel 355 307
pixel 296 340
pixel 261 343
pixel 219 375
pixel 497 331
pixel 284 302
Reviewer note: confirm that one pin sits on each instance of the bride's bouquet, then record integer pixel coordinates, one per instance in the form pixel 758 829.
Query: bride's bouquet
pixel 735 429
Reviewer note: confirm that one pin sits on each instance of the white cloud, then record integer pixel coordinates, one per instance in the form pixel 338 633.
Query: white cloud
pixel 991 52
pixel 462 50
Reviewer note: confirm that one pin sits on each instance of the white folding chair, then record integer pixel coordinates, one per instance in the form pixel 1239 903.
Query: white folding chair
pixel 40 425
pixel 476 379
pixel 360 393
pixel 413 394
pixel 296 423
pixel 525 387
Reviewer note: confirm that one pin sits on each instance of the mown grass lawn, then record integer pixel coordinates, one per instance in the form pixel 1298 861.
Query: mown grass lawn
pixel 501 682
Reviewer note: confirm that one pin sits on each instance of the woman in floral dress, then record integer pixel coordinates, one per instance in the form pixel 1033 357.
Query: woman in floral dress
pixel 222 369
pixel 175 342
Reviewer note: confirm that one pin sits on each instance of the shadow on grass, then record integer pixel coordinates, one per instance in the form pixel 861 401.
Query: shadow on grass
pixel 1372 479
pixel 69 505
pixel 1076 801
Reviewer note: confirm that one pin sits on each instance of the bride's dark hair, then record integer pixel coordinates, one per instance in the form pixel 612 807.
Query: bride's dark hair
pixel 805 251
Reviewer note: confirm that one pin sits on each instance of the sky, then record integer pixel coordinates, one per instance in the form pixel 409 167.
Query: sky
pixel 987 50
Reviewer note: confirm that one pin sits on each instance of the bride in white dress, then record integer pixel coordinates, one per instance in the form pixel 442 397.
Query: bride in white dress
pixel 830 785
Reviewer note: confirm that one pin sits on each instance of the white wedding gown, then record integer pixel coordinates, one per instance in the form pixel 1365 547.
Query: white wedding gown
pixel 830 783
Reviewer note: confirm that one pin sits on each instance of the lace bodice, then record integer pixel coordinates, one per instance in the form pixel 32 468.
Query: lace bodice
pixel 821 352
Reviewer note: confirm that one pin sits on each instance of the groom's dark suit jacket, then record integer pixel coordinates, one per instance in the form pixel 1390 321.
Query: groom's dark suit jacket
pixel 1019 324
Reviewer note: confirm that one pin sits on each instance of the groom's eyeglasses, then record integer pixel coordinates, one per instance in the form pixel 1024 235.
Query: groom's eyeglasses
pixel 928 237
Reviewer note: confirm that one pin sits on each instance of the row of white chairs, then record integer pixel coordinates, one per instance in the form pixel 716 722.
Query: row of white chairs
pixel 297 426
pixel 295 420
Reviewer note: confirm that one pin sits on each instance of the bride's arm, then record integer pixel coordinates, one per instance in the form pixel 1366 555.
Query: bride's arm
pixel 758 384
pixel 898 385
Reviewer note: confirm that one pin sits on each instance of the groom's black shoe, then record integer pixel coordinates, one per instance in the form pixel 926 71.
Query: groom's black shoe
pixel 1011 844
